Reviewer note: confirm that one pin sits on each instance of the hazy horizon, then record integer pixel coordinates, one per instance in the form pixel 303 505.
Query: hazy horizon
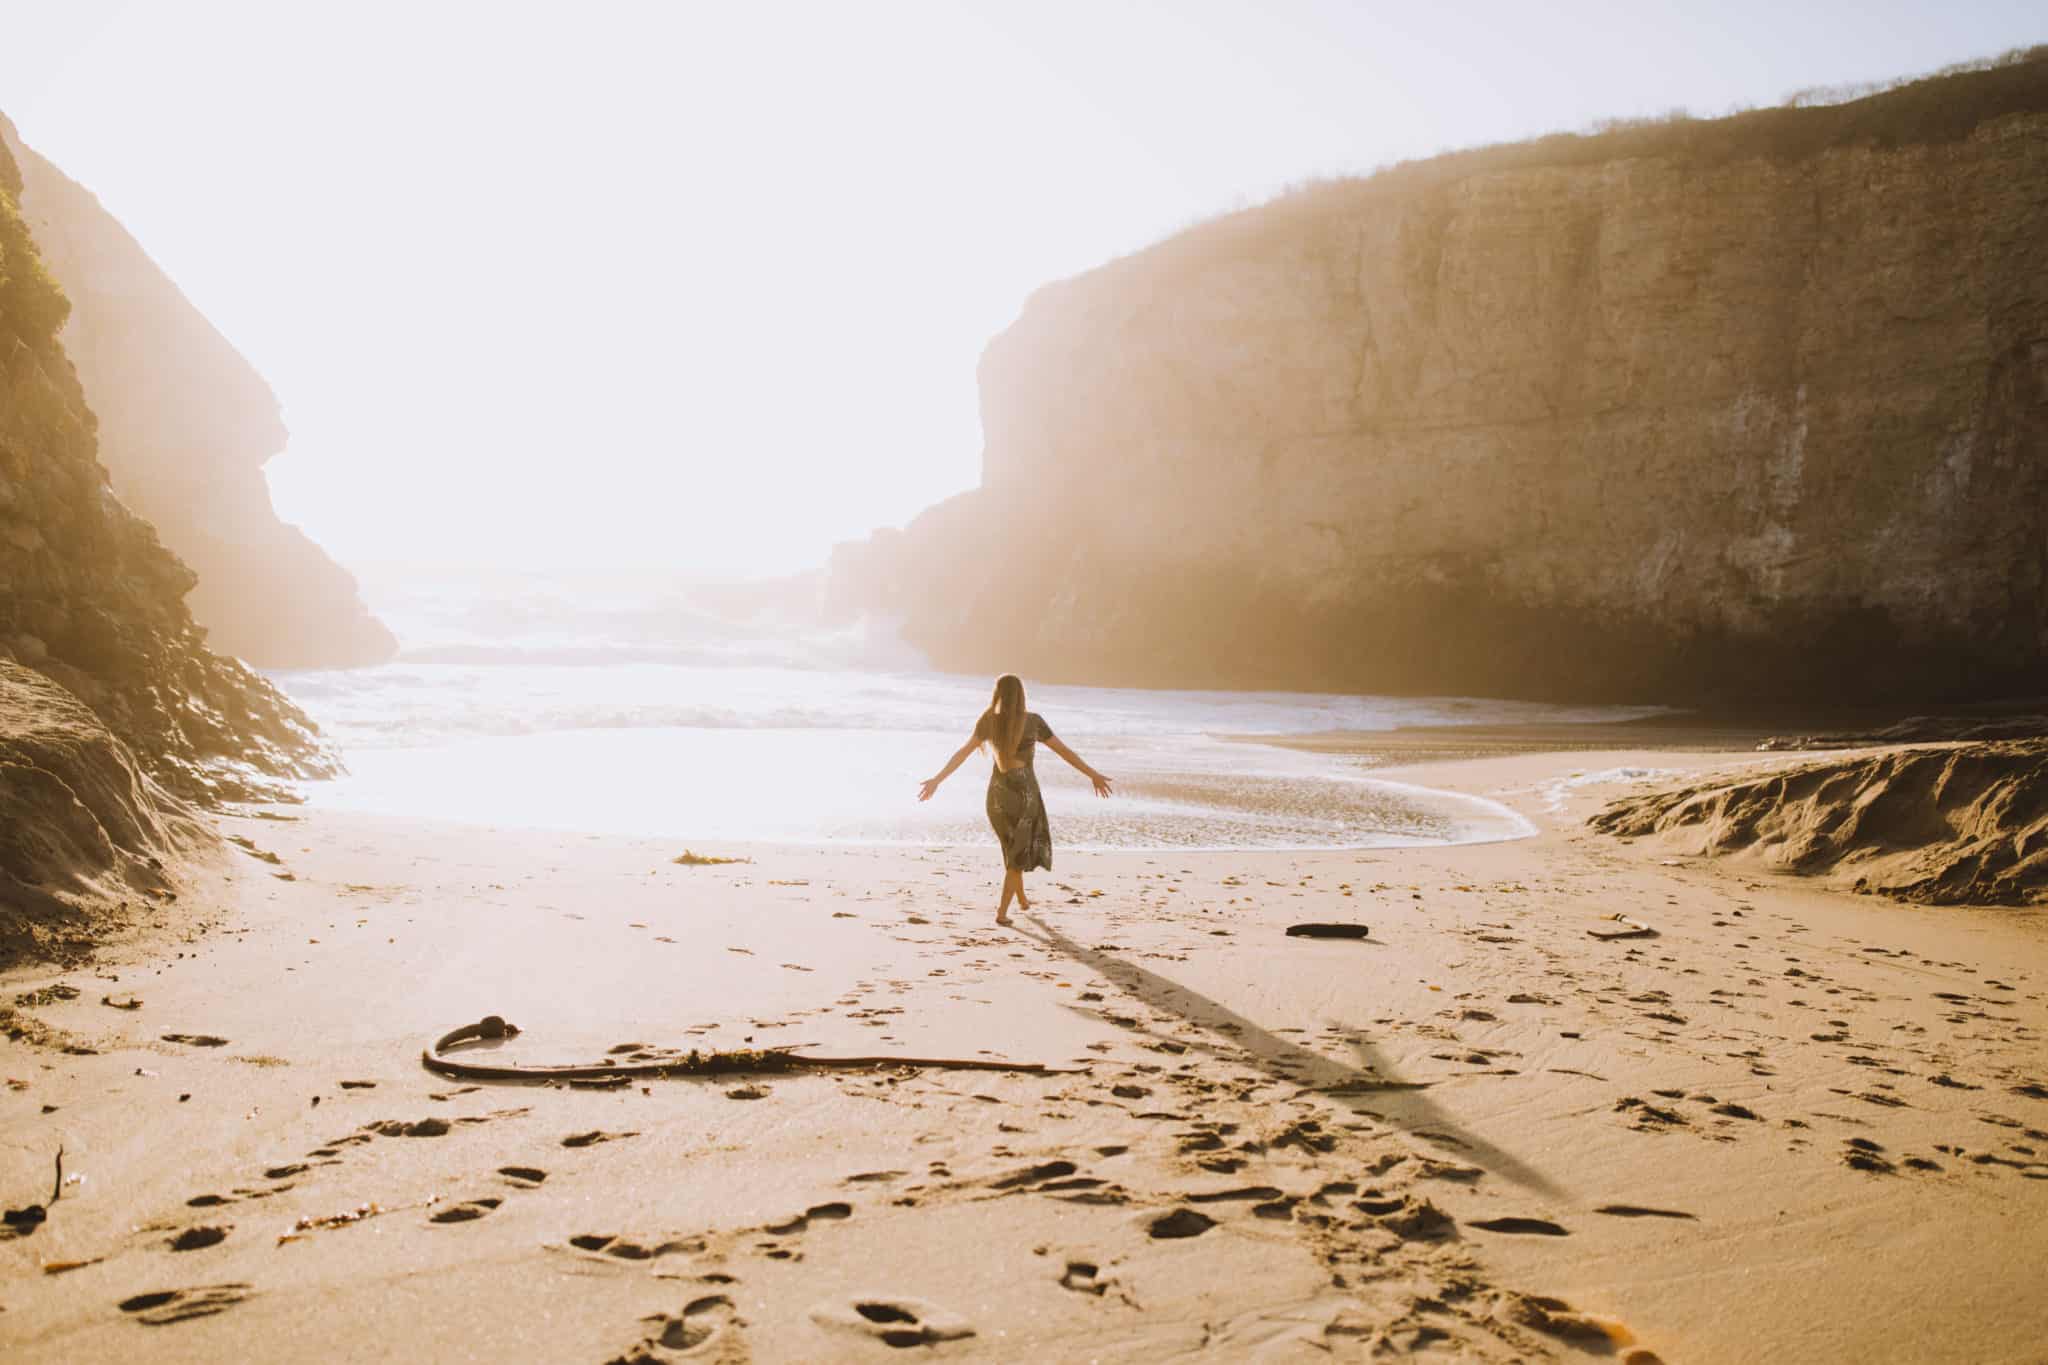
pixel 614 295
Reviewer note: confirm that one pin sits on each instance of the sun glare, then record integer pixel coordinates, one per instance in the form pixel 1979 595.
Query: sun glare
pixel 703 288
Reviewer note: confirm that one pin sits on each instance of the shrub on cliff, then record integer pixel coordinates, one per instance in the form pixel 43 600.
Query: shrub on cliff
pixel 30 302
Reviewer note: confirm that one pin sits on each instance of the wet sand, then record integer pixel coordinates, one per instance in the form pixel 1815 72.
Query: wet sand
pixel 1792 1124
pixel 1418 744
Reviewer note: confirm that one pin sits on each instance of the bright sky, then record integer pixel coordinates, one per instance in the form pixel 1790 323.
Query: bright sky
pixel 703 286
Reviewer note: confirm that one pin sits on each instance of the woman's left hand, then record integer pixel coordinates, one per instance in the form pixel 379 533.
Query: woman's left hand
pixel 924 791
pixel 1101 783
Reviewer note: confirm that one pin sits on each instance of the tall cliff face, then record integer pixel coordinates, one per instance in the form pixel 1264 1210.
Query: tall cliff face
pixel 1754 408
pixel 88 596
pixel 185 427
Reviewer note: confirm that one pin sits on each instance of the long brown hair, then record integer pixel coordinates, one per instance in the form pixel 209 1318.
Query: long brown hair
pixel 1003 723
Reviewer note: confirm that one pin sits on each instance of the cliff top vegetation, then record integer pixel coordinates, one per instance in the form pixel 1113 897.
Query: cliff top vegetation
pixel 31 304
pixel 1943 106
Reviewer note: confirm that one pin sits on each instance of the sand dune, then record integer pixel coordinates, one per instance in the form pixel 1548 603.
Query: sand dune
pixel 86 838
pixel 1947 826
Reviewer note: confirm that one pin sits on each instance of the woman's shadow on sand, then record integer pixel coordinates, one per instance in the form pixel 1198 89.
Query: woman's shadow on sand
pixel 1393 1101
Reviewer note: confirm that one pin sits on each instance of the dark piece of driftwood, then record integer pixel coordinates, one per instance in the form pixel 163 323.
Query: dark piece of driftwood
pixel 492 1027
pixel 1631 928
pixel 25 1221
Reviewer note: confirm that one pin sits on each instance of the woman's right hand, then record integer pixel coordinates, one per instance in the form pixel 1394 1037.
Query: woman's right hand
pixel 930 785
pixel 1101 783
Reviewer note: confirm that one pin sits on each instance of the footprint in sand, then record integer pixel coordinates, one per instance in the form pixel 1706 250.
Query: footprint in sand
pixel 1033 1175
pixel 399 1128
pixel 1246 1194
pixel 193 1239
pixel 1639 1211
pixel 898 1322
pixel 195 1039
pixel 1409 1219
pixel 526 1177
pixel 625 1249
pixel 1648 1117
pixel 1557 1318
pixel 834 1211
pixel 701 1320
pixel 1084 1277
pixel 163 1306
pixel 593 1137
pixel 1180 1223
pixel 1538 1227
pixel 467 1211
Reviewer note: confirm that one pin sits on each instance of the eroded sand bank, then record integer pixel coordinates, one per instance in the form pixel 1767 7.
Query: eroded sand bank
pixel 1794 1123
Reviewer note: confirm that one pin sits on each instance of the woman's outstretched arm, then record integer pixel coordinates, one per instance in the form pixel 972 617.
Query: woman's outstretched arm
pixel 1054 743
pixel 931 784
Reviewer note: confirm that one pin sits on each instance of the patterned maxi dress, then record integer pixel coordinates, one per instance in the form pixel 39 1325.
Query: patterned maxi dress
pixel 1016 811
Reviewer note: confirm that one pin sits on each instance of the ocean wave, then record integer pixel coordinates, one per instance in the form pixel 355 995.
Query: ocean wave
pixel 525 690
pixel 599 656
pixel 850 648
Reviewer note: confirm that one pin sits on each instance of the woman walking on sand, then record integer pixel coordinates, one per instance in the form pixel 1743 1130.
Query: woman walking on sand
pixel 1015 809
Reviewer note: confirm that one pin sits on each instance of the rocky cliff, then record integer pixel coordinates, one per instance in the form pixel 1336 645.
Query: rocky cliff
pixel 88 596
pixel 185 427
pixel 1742 409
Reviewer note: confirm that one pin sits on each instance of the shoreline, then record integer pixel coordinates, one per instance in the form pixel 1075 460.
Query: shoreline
pixel 1675 730
pixel 1293 1146
pixel 1420 745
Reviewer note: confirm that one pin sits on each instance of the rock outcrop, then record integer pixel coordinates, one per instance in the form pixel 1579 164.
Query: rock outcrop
pixel 88 596
pixel 185 427
pixel 1748 409
pixel 84 834
pixel 1948 826
pixel 1918 730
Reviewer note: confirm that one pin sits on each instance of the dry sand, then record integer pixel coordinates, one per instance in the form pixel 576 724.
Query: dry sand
pixel 1794 1125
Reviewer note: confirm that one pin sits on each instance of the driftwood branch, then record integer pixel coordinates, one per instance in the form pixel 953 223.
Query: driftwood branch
pixel 694 1063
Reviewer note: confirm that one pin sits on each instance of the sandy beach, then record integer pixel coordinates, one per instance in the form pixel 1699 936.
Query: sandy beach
pixel 524 534
pixel 1794 1124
